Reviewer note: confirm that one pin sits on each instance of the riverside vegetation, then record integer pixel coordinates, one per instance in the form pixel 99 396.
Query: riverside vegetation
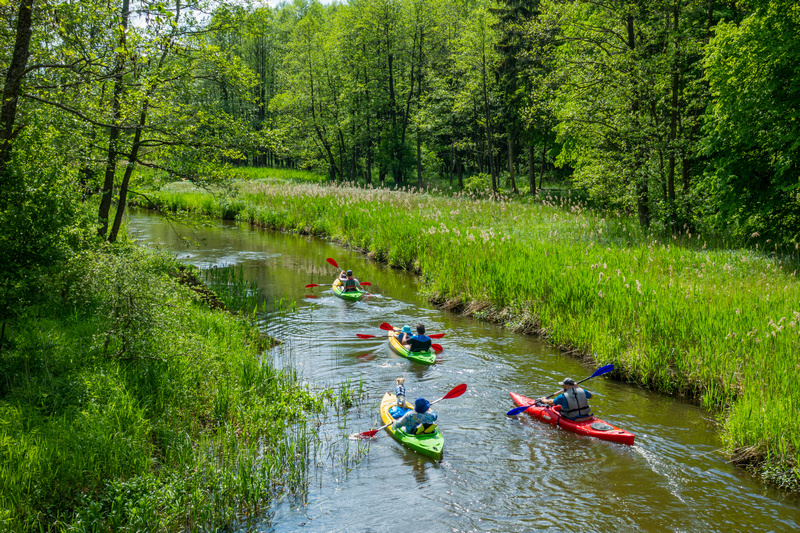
pixel 127 403
pixel 681 314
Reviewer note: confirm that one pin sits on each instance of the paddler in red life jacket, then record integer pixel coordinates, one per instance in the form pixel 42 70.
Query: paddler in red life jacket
pixel 419 342
pixel 351 284
pixel 572 401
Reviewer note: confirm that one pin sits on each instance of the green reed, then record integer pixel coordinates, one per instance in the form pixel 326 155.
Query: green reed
pixel 681 314
pixel 232 287
pixel 190 430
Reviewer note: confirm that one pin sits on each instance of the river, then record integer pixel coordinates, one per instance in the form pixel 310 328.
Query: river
pixel 498 473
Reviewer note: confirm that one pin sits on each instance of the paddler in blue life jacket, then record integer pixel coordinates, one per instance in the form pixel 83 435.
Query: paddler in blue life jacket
pixel 419 342
pixel 572 401
pixel 420 421
pixel 351 284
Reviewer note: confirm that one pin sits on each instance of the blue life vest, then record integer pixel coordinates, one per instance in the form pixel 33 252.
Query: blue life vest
pixel 420 343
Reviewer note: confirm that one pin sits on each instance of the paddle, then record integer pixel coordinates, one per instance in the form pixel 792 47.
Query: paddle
pixel 332 262
pixel 457 391
pixel 599 372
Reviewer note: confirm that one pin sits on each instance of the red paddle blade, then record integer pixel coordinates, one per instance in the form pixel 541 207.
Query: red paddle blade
pixel 386 326
pixel 312 285
pixel 368 434
pixel 366 283
pixel 457 391
pixel 437 347
pixel 313 296
pixel 332 262
pixel 364 336
pixel 436 336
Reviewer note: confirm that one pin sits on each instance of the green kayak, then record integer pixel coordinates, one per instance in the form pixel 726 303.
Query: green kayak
pixel 431 445
pixel 428 357
pixel 352 296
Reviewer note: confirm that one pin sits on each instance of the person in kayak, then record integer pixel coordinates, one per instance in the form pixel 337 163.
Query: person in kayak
pixel 400 392
pixel 420 421
pixel 419 342
pixel 403 333
pixel 351 284
pixel 572 401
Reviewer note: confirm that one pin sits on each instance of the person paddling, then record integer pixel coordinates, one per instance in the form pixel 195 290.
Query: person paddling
pixel 573 401
pixel 419 342
pixel 420 421
pixel 351 284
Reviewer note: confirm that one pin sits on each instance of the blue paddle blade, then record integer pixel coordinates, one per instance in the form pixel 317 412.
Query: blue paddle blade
pixel 602 370
pixel 518 410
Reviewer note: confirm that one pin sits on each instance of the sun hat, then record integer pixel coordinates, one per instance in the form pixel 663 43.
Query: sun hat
pixel 568 381
pixel 421 405
pixel 406 329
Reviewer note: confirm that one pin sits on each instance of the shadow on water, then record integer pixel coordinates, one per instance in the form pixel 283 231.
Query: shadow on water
pixel 498 474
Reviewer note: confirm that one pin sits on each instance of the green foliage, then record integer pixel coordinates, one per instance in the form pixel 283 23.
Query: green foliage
pixel 479 183
pixel 188 426
pixel 752 135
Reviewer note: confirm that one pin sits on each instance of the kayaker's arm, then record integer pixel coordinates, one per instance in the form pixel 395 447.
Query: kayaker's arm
pixel 402 420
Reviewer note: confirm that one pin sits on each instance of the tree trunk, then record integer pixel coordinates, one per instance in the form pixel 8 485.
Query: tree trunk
pixel 511 164
pixel 123 188
pixel 113 136
pixel 544 162
pixel 673 120
pixel 13 84
pixel 419 159
pixel 531 171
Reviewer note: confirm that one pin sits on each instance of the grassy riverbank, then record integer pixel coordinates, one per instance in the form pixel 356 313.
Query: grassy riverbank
pixel 676 315
pixel 128 404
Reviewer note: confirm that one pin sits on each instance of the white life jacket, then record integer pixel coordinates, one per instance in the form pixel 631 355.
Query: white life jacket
pixel 577 405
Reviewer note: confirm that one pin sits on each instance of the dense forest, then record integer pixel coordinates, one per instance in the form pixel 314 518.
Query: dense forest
pixel 682 111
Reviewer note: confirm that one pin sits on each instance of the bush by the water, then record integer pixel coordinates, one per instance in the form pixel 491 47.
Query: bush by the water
pixel 128 404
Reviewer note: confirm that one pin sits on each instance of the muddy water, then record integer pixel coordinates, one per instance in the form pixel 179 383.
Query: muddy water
pixel 498 474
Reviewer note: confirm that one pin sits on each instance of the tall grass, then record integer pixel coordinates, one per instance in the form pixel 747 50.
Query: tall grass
pixel 682 314
pixel 230 285
pixel 127 405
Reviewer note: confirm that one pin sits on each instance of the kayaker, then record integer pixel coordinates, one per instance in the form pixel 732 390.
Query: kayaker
pixel 403 334
pixel 419 421
pixel 350 283
pixel 572 401
pixel 419 342
pixel 400 392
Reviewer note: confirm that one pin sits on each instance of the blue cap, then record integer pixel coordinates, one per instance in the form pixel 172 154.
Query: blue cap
pixel 406 329
pixel 349 272
pixel 421 405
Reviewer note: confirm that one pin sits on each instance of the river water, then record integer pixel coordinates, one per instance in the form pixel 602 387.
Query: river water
pixel 498 473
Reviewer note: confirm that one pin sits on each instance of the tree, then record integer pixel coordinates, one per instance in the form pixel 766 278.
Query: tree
pixel 752 138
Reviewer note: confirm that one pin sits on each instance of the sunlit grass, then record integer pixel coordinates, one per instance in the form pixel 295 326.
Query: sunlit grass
pixel 676 314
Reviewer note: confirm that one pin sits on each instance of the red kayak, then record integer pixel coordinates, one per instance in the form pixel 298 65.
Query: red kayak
pixel 593 428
